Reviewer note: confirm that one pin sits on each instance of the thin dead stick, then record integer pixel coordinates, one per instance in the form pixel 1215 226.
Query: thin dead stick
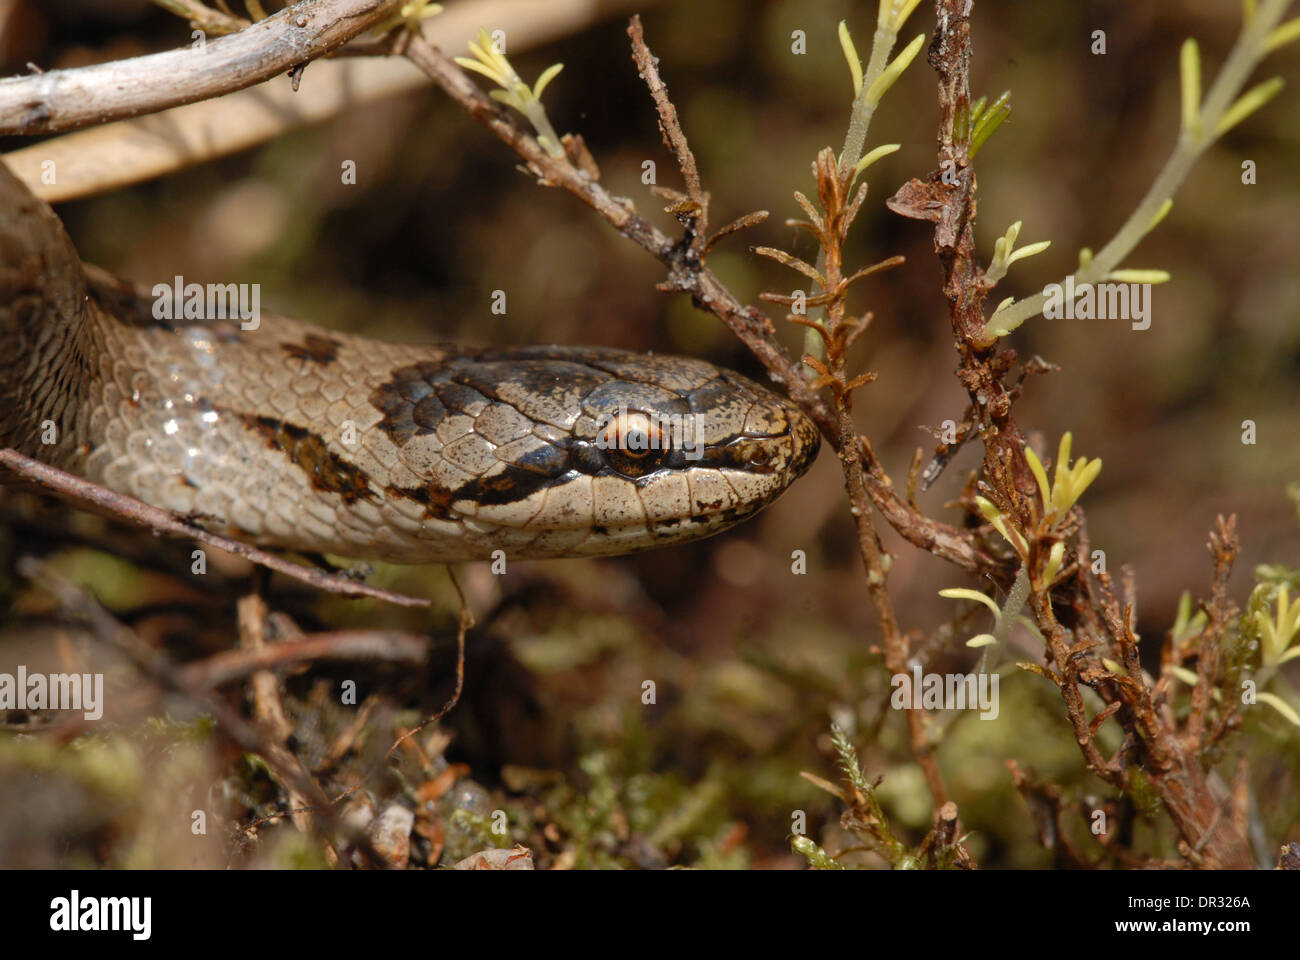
pixel 385 645
pixel 466 621
pixel 1171 761
pixel 106 157
pixel 67 99
pixel 200 15
pixel 268 705
pixel 160 521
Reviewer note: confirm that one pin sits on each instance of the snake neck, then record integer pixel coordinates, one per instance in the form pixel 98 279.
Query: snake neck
pixel 44 361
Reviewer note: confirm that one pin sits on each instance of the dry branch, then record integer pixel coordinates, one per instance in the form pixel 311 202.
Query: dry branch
pixel 160 521
pixel 1172 759
pixel 383 645
pixel 129 151
pixel 67 99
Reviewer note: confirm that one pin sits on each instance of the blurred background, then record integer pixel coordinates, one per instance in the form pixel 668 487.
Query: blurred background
pixel 751 661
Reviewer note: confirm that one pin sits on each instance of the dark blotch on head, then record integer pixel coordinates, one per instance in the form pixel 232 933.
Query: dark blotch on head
pixel 587 458
pixel 398 398
pixel 459 397
pixel 509 486
pixel 547 459
pixel 741 453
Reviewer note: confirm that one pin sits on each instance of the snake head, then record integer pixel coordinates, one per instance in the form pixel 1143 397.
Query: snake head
pixel 587 451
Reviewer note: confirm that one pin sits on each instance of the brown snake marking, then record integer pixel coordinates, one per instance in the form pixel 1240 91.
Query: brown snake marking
pixel 292 436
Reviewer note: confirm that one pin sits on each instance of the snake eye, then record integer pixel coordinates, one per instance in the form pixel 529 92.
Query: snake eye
pixel 633 443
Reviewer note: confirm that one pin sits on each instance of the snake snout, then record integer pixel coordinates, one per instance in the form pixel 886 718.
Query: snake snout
pixel 684 451
pixel 641 451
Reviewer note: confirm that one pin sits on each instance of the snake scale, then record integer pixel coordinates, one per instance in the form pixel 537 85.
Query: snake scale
pixel 293 436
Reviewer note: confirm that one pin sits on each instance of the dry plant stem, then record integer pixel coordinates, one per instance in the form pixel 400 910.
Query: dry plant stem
pixel 372 645
pixel 944 540
pixel 1172 763
pixel 465 621
pixel 129 151
pixel 67 99
pixel 873 558
pixel 200 15
pixel 980 372
pixel 268 707
pixel 160 521
pixel 550 171
pixel 838 212
pixel 1223 547
pixel 1068 681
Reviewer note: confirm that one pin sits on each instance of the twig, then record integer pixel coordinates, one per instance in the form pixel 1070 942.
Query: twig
pixel 466 621
pixel 550 171
pixel 1173 766
pixel 1223 547
pixel 203 17
pixel 384 645
pixel 160 521
pixel 268 705
pixel 67 99
pixel 944 540
pixel 670 128
pixel 129 151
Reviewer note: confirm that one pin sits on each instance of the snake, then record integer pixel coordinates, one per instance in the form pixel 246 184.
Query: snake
pixel 283 434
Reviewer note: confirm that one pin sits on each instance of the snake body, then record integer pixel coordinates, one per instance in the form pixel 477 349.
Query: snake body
pixel 290 435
